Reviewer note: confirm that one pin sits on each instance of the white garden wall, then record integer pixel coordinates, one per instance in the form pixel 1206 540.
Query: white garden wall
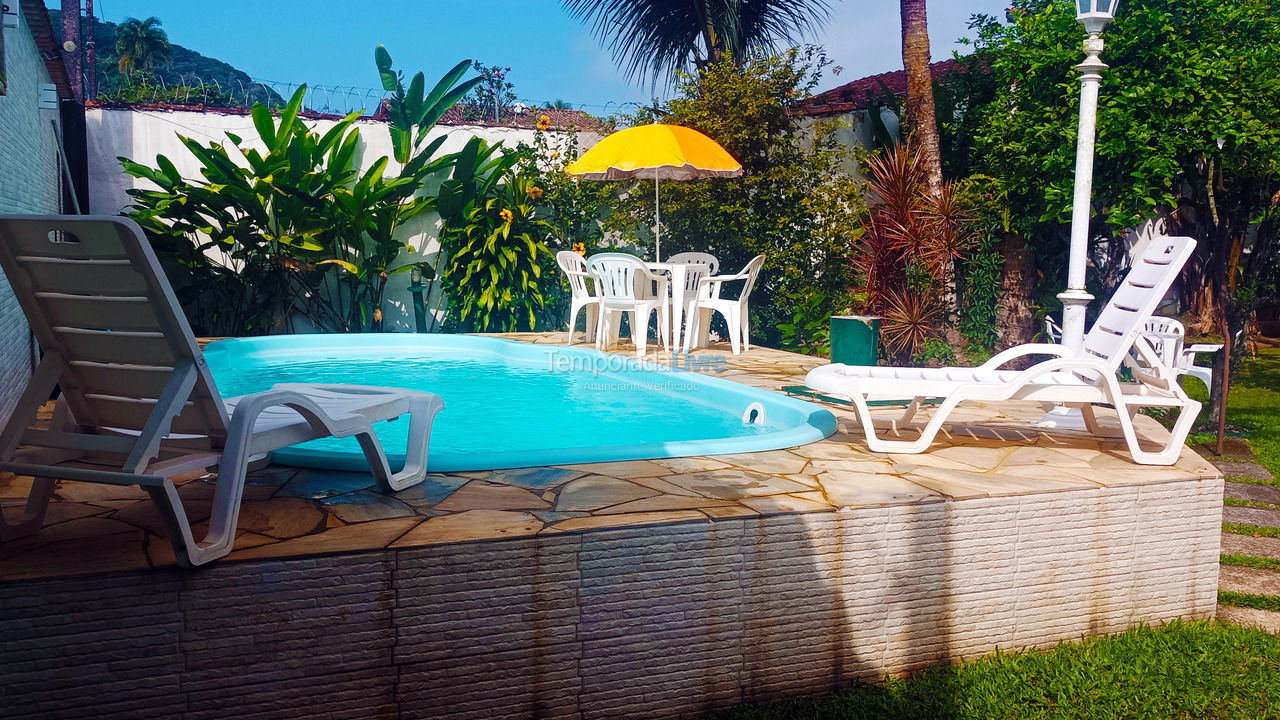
pixel 140 135
pixel 29 183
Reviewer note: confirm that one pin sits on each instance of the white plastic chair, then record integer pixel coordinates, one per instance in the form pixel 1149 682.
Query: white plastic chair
pixel 138 403
pixel 625 284
pixel 1168 337
pixel 574 266
pixel 1081 380
pixel 708 300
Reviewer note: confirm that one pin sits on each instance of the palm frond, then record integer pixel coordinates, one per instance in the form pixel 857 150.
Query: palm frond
pixel 658 38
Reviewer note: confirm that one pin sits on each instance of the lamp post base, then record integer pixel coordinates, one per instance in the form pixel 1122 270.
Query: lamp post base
pixel 1062 418
pixel 1074 304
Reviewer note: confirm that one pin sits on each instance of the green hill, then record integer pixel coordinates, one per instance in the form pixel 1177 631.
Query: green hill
pixel 198 79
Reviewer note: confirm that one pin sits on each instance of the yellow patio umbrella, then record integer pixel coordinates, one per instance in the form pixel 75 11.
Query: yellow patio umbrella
pixel 658 151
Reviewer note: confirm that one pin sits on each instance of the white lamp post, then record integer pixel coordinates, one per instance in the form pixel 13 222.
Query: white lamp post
pixel 1094 14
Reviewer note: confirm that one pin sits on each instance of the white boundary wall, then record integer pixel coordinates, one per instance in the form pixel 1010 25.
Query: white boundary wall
pixel 140 135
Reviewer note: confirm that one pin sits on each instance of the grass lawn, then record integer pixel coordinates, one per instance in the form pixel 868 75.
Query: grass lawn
pixel 1182 670
pixel 1254 404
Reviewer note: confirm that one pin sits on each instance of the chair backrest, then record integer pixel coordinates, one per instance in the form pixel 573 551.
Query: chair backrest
pixel 1137 297
pixel 752 271
pixel 108 323
pixel 618 276
pixel 697 258
pixel 1166 337
pixel 574 266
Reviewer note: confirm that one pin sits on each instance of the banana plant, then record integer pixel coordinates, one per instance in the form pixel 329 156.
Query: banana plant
pixel 285 212
pixel 413 112
pixel 252 228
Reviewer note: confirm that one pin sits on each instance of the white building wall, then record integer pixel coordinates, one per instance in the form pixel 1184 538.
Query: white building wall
pixel 29 183
pixel 140 135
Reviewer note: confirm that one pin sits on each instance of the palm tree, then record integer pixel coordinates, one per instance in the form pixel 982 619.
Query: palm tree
pixel 922 115
pixel 141 44
pixel 557 104
pixel 659 37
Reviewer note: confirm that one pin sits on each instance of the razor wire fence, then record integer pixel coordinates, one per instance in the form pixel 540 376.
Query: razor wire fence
pixel 194 90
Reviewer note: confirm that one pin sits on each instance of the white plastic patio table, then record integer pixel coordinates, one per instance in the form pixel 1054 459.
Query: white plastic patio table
pixel 677 273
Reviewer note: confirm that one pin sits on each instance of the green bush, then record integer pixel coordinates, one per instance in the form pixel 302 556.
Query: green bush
pixel 294 229
pixel 492 237
pixel 795 203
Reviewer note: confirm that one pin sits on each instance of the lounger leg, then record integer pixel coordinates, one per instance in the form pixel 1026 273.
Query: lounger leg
pixel 919 445
pixel 1091 420
pixel 1177 436
pixel 32 513
pixel 422 414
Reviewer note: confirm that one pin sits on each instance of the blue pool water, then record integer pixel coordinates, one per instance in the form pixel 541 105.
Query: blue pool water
pixel 512 404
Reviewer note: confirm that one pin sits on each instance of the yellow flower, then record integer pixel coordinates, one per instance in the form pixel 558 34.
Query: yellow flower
pixel 555 154
pixel 505 215
pixel 580 248
pixel 535 192
pixel 544 122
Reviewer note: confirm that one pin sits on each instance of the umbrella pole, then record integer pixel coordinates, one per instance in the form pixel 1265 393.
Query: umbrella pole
pixel 657 223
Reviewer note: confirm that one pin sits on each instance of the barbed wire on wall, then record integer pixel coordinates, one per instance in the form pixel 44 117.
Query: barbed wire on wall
pixel 191 89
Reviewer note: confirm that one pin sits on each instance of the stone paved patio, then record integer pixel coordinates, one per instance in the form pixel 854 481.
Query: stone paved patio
pixel 990 453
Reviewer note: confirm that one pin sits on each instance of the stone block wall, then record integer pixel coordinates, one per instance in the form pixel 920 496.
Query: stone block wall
pixel 29 183
pixel 654 621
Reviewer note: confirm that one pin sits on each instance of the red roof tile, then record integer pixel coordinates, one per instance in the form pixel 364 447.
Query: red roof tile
pixel 857 95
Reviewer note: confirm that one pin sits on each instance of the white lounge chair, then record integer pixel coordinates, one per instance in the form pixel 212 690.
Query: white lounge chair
pixel 1080 380
pixel 736 311
pixel 138 404
pixel 574 267
pixel 625 284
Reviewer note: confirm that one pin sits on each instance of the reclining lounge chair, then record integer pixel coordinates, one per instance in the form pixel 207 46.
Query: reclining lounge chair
pixel 1080 380
pixel 138 405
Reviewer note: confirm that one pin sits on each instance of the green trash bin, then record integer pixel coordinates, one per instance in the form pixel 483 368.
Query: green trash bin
pixel 855 339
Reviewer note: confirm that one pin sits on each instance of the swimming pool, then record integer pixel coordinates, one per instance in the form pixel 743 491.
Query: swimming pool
pixel 514 404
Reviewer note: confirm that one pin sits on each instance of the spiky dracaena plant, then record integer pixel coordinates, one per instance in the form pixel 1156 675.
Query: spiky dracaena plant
pixel 910 244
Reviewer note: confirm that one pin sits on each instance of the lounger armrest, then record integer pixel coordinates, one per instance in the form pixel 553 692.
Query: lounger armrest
pixel 1202 349
pixel 1021 351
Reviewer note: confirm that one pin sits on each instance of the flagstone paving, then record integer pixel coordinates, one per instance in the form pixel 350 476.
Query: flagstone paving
pixel 989 452
pixel 1237 460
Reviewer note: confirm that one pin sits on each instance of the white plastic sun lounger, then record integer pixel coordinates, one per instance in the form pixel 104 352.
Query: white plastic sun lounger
pixel 138 405
pixel 1083 380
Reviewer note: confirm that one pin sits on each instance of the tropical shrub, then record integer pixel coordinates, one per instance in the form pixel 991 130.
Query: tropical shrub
pixel 293 231
pixel 906 255
pixel 574 210
pixel 795 203
pixel 493 242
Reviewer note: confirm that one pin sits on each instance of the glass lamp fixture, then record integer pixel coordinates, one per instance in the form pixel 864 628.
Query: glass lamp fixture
pixel 1095 14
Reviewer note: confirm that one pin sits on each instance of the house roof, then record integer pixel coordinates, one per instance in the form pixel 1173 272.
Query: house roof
pixel 37 16
pixel 857 95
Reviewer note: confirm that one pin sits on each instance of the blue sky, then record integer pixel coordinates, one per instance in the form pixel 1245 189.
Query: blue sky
pixel 329 43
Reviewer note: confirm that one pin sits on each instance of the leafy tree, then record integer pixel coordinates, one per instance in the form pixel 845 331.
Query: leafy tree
pixel 492 97
pixel 657 38
pixel 794 203
pixel 141 44
pixel 1186 131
